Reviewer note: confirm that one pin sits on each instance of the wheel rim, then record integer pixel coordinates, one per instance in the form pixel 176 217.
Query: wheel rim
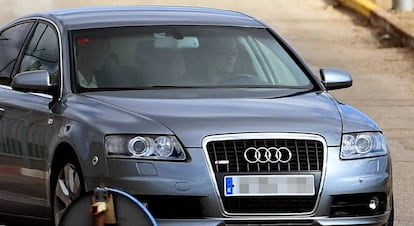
pixel 67 188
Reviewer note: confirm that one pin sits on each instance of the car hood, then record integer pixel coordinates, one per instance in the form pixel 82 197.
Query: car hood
pixel 193 119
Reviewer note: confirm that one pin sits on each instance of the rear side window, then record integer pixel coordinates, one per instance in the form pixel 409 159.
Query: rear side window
pixel 11 42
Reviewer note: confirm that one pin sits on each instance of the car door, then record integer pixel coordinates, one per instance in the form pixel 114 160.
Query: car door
pixel 27 125
pixel 12 40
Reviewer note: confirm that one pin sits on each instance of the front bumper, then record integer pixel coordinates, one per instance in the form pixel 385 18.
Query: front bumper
pixel 379 220
pixel 192 180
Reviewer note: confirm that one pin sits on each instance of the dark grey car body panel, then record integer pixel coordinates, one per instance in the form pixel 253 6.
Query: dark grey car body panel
pixel 193 119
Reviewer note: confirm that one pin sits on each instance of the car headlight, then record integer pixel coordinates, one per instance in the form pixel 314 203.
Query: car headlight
pixel 144 147
pixel 363 145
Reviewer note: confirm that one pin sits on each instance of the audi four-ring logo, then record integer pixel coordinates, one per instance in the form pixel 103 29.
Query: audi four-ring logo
pixel 267 155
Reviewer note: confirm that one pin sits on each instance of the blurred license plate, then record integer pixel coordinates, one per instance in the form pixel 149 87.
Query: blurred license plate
pixel 269 185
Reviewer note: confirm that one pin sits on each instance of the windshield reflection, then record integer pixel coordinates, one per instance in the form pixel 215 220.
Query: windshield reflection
pixel 183 56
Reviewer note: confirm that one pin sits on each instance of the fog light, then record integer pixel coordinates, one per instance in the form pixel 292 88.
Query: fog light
pixel 373 203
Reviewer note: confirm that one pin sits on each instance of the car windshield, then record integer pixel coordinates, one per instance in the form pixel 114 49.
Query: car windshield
pixel 183 57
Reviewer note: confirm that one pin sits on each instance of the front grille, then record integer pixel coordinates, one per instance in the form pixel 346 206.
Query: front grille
pixel 307 155
pixel 227 158
pixel 275 204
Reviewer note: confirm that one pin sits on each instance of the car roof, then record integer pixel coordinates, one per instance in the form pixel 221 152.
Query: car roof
pixel 112 16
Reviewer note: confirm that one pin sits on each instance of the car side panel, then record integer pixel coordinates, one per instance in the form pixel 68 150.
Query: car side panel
pixel 25 129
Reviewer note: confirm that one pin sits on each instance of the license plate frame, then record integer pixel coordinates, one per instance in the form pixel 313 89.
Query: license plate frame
pixel 269 185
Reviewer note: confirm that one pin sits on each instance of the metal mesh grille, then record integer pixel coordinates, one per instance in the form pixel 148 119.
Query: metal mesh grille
pixel 296 204
pixel 307 155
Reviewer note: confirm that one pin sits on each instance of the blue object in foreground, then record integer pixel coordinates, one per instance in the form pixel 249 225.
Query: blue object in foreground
pixel 128 211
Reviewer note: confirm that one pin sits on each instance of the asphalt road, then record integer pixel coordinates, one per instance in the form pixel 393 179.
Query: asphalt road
pixel 327 37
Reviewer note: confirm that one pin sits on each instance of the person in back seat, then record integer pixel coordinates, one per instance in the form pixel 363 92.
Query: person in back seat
pixel 174 66
pixel 161 66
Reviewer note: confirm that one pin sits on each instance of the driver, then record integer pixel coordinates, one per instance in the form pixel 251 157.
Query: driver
pixel 222 60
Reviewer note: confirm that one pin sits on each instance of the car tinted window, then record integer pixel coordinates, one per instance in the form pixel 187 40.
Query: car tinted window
pixel 190 56
pixel 11 42
pixel 42 52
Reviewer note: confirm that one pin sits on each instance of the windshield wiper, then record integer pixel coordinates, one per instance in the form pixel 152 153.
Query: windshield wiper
pixel 169 87
pixel 133 88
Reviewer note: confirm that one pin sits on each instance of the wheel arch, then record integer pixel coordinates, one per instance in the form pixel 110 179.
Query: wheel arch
pixel 64 153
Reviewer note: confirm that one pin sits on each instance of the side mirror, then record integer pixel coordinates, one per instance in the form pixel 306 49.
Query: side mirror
pixel 333 78
pixel 34 81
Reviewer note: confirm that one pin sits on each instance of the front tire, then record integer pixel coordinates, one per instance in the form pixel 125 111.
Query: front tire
pixel 68 185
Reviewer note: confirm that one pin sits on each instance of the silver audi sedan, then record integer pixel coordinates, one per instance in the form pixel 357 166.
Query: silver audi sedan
pixel 207 116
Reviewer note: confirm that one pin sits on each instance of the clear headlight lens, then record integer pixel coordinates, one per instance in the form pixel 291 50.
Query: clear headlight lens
pixel 144 147
pixel 141 146
pixel 363 145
